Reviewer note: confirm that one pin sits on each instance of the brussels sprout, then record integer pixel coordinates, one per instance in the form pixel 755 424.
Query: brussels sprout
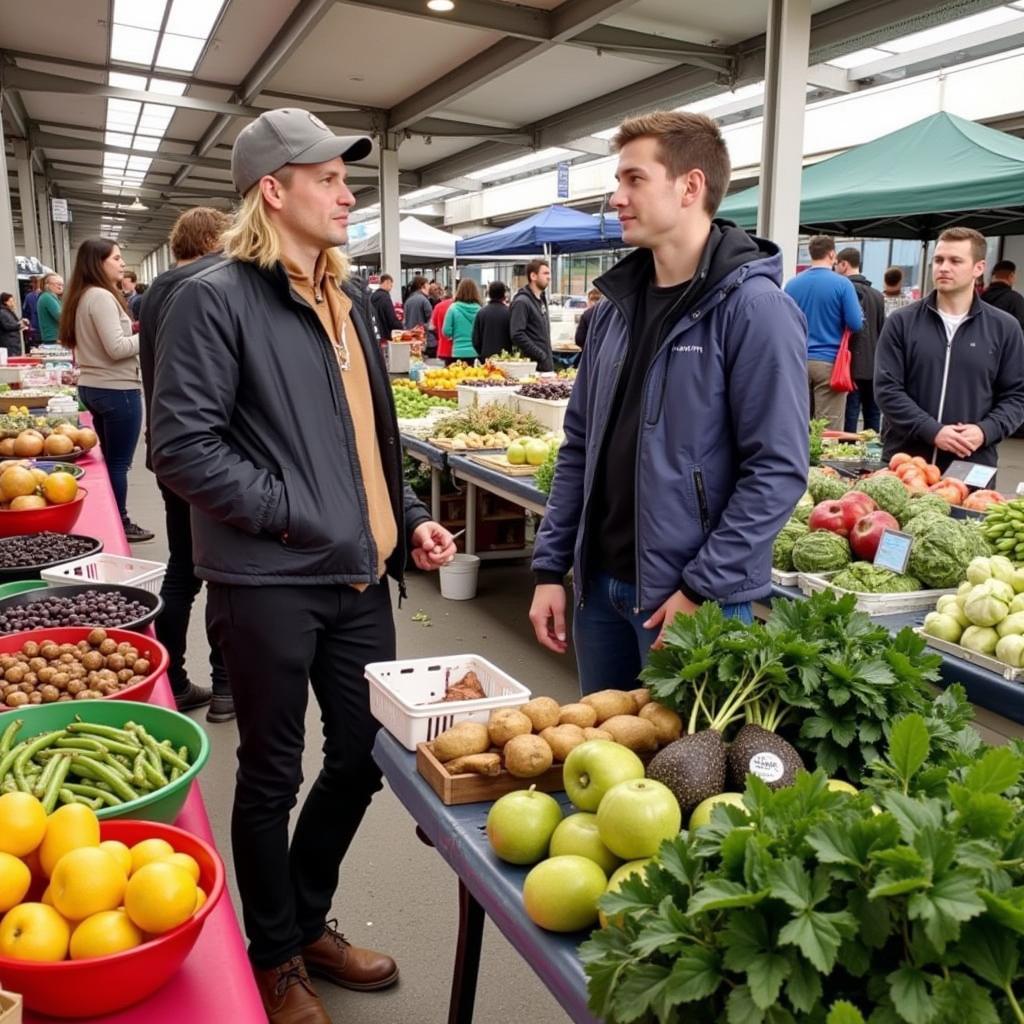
pixel 944 627
pixel 984 608
pixel 1010 650
pixel 980 639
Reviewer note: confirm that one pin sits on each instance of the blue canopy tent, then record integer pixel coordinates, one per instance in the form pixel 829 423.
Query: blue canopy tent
pixel 556 230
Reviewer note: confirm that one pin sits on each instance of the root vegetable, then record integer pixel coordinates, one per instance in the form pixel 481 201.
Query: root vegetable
pixel 598 734
pixel 582 715
pixel 478 764
pixel 526 757
pixel 632 731
pixel 506 723
pixel 667 724
pixel 563 739
pixel 543 712
pixel 462 740
pixel 609 703
pixel 641 698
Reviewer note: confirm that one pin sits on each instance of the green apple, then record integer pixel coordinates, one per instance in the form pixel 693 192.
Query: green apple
pixel 702 812
pixel 592 768
pixel 516 453
pixel 561 894
pixel 635 816
pixel 631 867
pixel 520 825
pixel 578 835
pixel 841 786
pixel 536 451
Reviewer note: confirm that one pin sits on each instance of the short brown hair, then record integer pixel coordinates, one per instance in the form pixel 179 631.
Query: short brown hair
pixel 197 232
pixel 594 295
pixel 893 276
pixel 130 275
pixel 468 291
pixel 686 142
pixel 819 246
pixel 851 256
pixel 533 267
pixel 417 283
pixel 979 247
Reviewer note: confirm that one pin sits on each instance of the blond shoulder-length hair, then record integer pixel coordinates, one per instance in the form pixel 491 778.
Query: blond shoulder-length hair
pixel 253 238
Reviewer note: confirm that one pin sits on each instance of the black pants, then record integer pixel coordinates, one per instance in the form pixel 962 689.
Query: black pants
pixel 179 591
pixel 276 641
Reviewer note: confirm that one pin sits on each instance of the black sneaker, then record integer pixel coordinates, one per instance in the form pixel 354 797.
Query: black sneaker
pixel 221 709
pixel 136 534
pixel 194 697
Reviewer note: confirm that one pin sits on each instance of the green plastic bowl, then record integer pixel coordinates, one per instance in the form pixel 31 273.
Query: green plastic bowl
pixel 21 587
pixel 163 805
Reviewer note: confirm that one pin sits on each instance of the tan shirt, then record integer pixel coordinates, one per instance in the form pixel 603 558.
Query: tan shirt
pixel 106 351
pixel 333 307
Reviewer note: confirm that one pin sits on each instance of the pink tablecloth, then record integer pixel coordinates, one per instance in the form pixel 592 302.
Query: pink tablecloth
pixel 215 983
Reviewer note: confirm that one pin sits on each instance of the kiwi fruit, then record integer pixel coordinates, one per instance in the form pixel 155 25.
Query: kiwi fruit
pixel 542 712
pixel 506 723
pixel 632 731
pixel 582 715
pixel 609 703
pixel 527 756
pixel 667 724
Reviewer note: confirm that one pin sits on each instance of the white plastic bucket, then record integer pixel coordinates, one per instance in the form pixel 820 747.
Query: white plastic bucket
pixel 458 578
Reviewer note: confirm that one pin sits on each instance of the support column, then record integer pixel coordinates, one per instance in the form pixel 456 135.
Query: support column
pixel 46 247
pixel 390 242
pixel 8 266
pixel 782 147
pixel 27 198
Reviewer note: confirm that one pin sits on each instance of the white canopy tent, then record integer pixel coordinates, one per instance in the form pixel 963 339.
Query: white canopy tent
pixel 419 244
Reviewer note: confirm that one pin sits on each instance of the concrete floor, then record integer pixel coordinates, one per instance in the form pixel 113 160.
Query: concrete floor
pixel 397 894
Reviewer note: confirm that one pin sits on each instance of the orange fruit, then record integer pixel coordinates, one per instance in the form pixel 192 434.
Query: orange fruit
pixel 200 900
pixel 58 444
pixel 109 931
pixel 68 828
pixel 17 481
pixel 15 878
pixel 86 438
pixel 34 931
pixel 160 896
pixel 26 501
pixel 28 444
pixel 22 823
pixel 60 487
pixel 121 853
pixel 87 881
pixel 149 850
pixel 183 860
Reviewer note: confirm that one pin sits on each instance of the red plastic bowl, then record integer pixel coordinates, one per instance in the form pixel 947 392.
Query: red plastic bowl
pixel 55 518
pixel 106 984
pixel 72 634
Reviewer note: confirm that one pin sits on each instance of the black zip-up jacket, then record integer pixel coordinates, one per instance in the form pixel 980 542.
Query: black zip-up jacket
pixel 1002 296
pixel 864 342
pixel 384 310
pixel 252 429
pixel 922 382
pixel 491 331
pixel 530 328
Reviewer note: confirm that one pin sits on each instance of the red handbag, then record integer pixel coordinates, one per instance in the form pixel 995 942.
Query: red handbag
pixel 842 377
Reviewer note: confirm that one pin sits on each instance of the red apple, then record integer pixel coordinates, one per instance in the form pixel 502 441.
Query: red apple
pixel 828 515
pixel 866 534
pixel 855 505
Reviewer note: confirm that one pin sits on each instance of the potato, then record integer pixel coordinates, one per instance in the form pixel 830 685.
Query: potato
pixel 527 756
pixel 597 734
pixel 609 703
pixel 506 723
pixel 578 714
pixel 667 724
pixel 632 731
pixel 542 711
pixel 641 698
pixel 562 739
pixel 462 740
pixel 479 764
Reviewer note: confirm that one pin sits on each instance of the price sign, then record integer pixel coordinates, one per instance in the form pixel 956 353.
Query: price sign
pixel 563 181
pixel 971 473
pixel 894 551
pixel 59 211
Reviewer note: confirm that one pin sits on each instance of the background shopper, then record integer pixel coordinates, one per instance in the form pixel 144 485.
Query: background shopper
pixel 459 320
pixel 490 329
pixel 11 325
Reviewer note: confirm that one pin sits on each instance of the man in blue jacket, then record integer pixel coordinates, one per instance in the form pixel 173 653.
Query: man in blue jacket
pixel 686 434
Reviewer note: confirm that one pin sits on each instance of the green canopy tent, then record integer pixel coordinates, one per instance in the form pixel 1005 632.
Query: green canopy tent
pixel 912 183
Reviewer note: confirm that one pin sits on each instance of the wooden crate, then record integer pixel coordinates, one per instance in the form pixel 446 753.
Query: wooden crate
pixel 472 788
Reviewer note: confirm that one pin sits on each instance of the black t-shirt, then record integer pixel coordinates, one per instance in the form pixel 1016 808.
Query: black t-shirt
pixel 613 512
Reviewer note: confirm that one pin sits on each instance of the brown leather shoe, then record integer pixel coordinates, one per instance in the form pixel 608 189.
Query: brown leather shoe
pixel 333 957
pixel 288 995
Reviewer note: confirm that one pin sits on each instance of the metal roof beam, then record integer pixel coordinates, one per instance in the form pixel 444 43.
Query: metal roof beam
pixel 609 39
pixel 47 140
pixel 509 19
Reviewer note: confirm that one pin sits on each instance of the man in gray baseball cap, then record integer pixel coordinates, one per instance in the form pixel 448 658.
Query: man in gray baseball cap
pixel 272 416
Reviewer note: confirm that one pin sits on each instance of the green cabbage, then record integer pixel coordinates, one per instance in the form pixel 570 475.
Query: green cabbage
pixel 865 578
pixel 925 503
pixel 941 550
pixel 821 551
pixel 802 512
pixel 782 548
pixel 982 639
pixel 823 487
pixel 1010 650
pixel 888 493
pixel 943 626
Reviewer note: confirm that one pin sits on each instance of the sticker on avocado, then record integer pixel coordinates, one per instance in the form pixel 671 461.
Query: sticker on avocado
pixel 767 767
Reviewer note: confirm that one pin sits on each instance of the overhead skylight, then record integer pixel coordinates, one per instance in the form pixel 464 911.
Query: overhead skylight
pixel 530 161
pixel 132 45
pixel 179 52
pixel 193 17
pixel 139 13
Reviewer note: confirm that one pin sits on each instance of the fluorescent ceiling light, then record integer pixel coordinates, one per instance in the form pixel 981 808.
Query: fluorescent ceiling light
pixel 441 5
pixel 134 45
pixel 139 13
pixel 179 52
pixel 194 17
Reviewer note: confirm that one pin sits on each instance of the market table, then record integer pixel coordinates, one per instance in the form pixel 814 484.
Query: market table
pixel 216 980
pixel 520 491
pixel 486 885
pixel 986 690
pixel 436 460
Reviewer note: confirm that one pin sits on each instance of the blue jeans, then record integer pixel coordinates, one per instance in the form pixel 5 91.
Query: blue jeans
pixel 864 397
pixel 117 417
pixel 609 636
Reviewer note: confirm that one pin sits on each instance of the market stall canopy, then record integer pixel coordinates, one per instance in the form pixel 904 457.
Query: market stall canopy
pixel 912 183
pixel 419 243
pixel 558 229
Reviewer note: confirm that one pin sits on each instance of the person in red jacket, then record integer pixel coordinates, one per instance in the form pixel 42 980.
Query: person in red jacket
pixel 444 343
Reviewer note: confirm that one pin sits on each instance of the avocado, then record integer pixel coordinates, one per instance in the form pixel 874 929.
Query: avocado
pixel 693 767
pixel 765 754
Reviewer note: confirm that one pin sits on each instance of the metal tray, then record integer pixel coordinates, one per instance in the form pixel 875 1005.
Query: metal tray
pixel 1000 668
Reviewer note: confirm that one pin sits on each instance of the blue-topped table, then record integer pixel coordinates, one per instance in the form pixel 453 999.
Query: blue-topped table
pixel 520 491
pixel 436 460
pixel 985 688
pixel 486 885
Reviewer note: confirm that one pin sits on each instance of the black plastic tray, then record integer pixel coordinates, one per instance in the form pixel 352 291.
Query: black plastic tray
pixel 152 601
pixel 72 456
pixel 854 467
pixel 31 572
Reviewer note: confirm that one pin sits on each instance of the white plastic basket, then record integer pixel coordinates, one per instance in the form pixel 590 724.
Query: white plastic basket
pixel 875 604
pixel 515 368
pixel 785 579
pixel 104 568
pixel 402 695
pixel 550 412
pixel 470 397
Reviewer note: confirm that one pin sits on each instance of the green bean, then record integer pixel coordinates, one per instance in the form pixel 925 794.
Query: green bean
pixel 52 791
pixel 7 761
pixel 116 766
pixel 175 774
pixel 107 731
pixel 170 756
pixel 80 743
pixel 20 778
pixel 7 739
pixel 138 772
pixel 94 793
pixel 110 777
pixel 43 781
pixel 155 779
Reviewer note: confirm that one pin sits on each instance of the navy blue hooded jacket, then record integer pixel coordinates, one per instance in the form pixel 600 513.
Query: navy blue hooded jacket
pixel 722 452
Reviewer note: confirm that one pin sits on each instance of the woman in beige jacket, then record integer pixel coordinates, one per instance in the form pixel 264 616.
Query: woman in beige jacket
pixel 94 323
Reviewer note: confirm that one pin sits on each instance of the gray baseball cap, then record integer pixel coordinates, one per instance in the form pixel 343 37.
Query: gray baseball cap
pixel 288 136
